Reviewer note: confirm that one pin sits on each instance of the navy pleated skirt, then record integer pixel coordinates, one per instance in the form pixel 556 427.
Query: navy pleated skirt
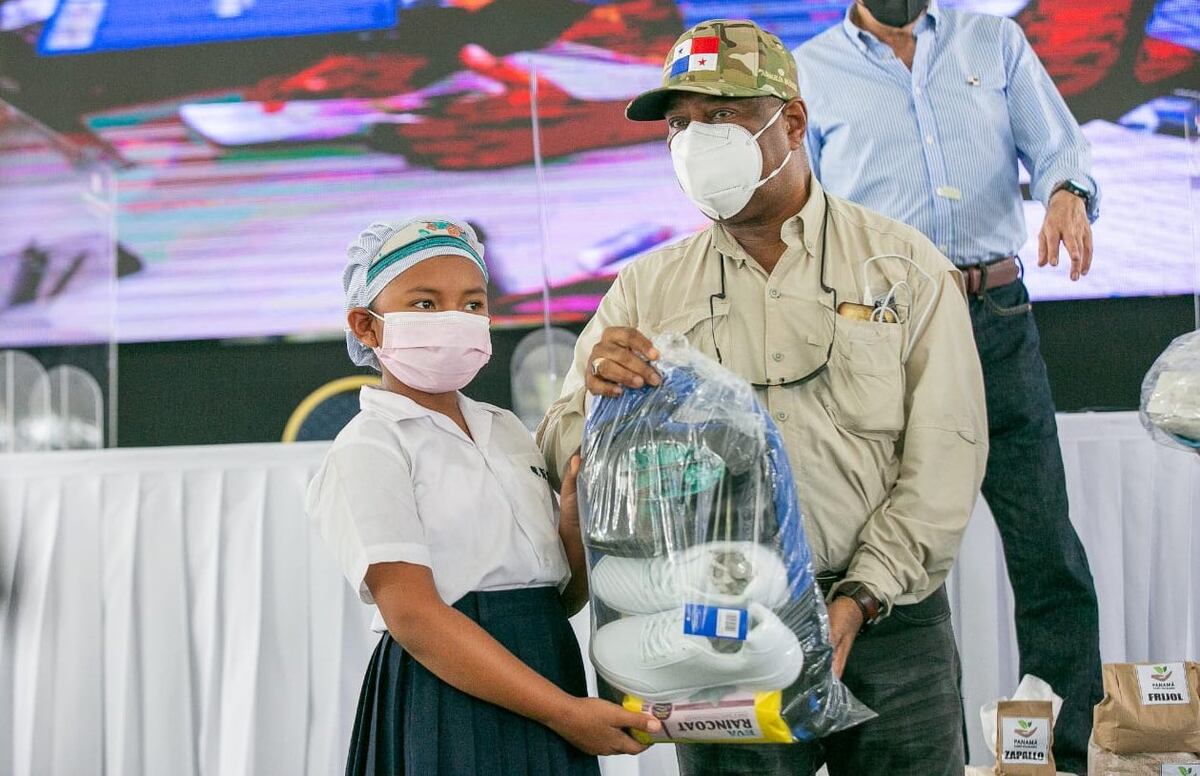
pixel 411 723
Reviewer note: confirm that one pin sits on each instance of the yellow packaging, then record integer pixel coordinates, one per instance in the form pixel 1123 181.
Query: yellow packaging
pixel 738 718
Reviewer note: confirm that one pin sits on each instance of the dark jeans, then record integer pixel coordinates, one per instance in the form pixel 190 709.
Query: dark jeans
pixel 1057 621
pixel 906 669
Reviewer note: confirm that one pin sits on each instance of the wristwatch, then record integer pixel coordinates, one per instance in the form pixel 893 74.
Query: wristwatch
pixel 868 604
pixel 1076 188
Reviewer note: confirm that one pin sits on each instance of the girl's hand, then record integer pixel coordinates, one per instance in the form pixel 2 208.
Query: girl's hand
pixel 597 727
pixel 568 497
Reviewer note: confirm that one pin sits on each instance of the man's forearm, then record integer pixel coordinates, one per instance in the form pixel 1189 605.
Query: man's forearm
pixel 575 595
pixel 560 434
pixel 910 542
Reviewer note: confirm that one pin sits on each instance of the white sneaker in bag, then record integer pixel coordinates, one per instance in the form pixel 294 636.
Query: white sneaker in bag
pixel 725 574
pixel 650 656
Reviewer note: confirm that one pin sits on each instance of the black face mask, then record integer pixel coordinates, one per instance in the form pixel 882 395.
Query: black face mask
pixel 896 13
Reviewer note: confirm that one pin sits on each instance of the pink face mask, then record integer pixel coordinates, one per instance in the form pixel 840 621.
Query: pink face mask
pixel 434 352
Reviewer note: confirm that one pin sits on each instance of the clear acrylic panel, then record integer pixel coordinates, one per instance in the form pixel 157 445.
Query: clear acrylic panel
pixel 1192 144
pixel 543 357
pixel 539 365
pixel 23 407
pixel 74 409
pixel 606 190
pixel 58 254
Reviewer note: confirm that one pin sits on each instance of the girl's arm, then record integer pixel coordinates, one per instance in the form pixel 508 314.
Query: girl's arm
pixel 465 656
pixel 575 595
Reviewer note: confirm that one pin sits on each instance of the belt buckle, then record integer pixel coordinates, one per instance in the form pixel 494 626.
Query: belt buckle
pixel 976 279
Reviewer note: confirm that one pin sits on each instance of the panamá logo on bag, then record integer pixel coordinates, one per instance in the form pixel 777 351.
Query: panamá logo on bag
pixel 1025 740
pixel 1026 729
pixel 1180 769
pixel 1163 684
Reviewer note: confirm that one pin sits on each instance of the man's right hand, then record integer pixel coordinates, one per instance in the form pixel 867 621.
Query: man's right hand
pixel 621 360
pixel 845 621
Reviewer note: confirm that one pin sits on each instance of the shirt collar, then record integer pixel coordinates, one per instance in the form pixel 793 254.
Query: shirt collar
pixel 862 39
pixel 393 406
pixel 804 228
pixel 398 408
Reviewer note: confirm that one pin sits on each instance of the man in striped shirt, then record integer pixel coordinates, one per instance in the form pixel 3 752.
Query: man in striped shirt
pixel 922 114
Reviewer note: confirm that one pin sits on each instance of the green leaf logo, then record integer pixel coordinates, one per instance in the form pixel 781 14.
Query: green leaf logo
pixel 1186 771
pixel 1025 729
pixel 1160 669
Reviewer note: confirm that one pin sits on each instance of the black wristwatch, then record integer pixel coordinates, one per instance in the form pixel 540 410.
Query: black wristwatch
pixel 868 604
pixel 1075 188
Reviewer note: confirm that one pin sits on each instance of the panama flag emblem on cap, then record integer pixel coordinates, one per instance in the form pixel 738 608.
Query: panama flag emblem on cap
pixel 695 54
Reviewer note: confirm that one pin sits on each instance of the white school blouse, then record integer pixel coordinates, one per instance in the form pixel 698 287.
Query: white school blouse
pixel 403 483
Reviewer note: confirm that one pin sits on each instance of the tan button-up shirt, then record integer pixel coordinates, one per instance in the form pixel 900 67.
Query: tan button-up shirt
pixel 888 443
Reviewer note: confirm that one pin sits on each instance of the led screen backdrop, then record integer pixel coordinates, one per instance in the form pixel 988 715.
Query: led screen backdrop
pixel 255 138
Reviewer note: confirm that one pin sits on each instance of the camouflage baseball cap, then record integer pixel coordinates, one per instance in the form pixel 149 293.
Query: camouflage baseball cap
pixel 722 57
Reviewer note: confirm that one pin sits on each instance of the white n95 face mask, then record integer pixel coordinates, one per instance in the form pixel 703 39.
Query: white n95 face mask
pixel 718 165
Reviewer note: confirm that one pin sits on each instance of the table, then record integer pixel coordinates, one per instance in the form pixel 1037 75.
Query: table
pixel 173 611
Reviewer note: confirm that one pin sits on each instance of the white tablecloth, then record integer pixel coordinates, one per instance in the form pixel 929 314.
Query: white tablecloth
pixel 171 611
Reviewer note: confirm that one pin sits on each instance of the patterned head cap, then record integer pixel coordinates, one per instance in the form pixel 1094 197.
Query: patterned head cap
pixel 724 58
pixel 384 251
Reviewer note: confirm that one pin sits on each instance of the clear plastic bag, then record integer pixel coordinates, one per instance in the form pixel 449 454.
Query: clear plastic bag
pixel 705 608
pixel 1170 408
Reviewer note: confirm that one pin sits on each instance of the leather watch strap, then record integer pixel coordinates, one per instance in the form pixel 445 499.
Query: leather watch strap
pixel 867 603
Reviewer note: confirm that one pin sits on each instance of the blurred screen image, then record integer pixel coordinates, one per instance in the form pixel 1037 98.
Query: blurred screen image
pixel 86 26
pixel 253 139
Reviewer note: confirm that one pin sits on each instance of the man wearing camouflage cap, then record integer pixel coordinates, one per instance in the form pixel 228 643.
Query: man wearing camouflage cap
pixel 855 332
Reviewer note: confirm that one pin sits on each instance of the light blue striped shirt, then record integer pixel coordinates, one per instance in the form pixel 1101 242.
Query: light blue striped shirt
pixel 937 147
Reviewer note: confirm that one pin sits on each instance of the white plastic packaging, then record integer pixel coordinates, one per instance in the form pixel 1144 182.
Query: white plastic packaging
pixel 1170 408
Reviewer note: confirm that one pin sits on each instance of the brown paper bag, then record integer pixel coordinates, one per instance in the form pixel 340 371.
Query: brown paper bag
pixel 1024 738
pixel 1105 763
pixel 1149 708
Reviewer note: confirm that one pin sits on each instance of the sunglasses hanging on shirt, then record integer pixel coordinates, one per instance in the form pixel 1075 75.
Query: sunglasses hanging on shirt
pixel 825 288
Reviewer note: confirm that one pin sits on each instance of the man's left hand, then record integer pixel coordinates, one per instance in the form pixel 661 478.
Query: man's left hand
pixel 568 497
pixel 845 621
pixel 1066 224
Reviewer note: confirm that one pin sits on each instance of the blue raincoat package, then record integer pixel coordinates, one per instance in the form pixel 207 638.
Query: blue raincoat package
pixel 705 608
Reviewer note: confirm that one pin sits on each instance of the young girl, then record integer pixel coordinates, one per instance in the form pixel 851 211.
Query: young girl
pixel 440 513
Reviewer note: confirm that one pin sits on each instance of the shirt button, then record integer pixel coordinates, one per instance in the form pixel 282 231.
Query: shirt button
pixel 777 356
pixel 929 139
pixel 917 90
pixel 775 293
pixel 781 416
pixel 943 247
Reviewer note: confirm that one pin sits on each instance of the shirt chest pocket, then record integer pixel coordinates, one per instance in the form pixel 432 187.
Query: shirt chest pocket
pixel 529 491
pixel 981 88
pixel 701 326
pixel 866 378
